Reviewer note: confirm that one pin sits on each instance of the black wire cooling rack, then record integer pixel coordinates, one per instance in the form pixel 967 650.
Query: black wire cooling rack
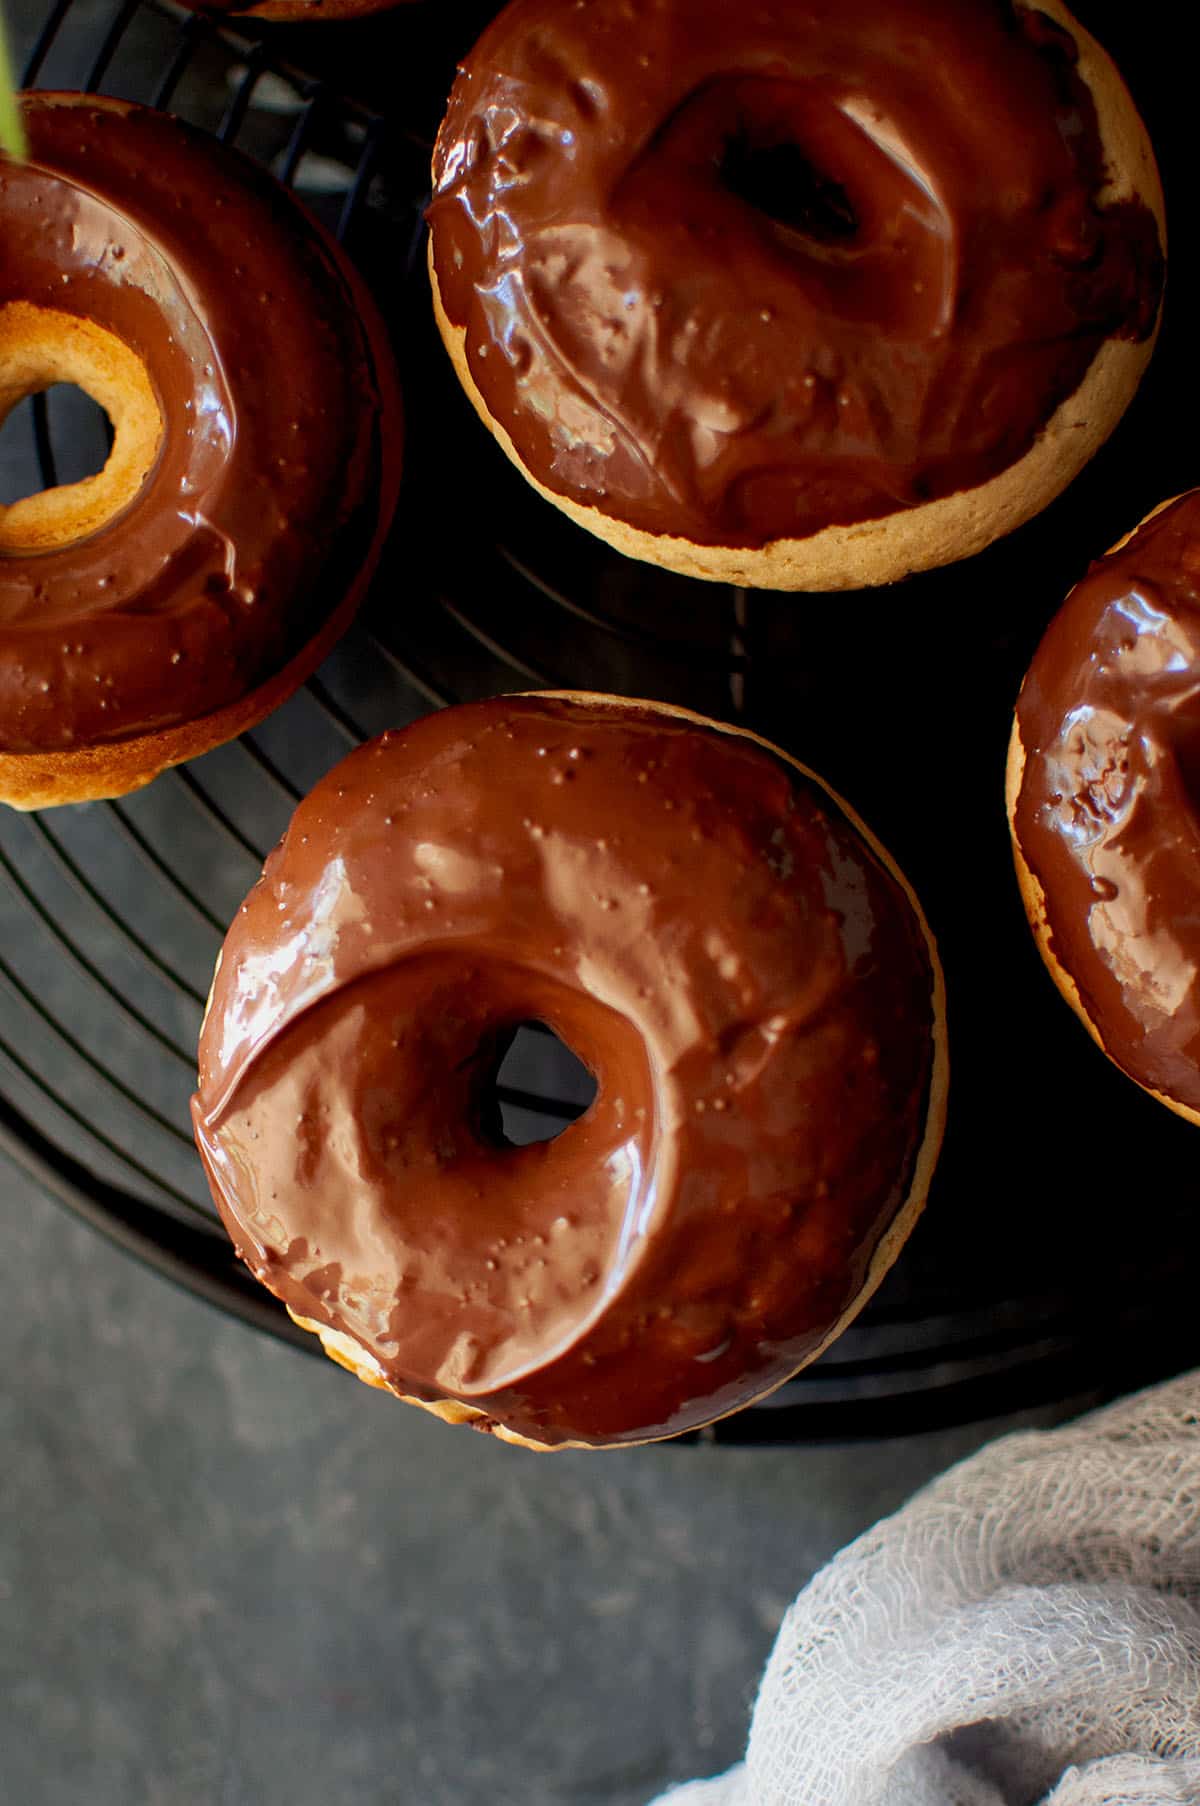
pixel 1055 1258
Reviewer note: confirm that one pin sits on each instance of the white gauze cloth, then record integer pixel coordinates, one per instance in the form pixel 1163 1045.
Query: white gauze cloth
pixel 1026 1629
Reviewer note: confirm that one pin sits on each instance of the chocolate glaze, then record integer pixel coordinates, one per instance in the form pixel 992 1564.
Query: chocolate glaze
pixel 713 938
pixel 265 497
pixel 1108 815
pixel 738 273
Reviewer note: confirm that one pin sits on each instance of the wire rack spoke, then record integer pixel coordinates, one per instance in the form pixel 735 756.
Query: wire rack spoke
pixel 100 1071
pixel 53 1096
pixel 290 792
pixel 539 1104
pixel 44 41
pixel 717 659
pixel 101 986
pixel 350 730
pixel 416 679
pixel 117 923
pixel 109 45
pixel 243 94
pixel 192 29
pixel 215 815
pixel 490 644
pixel 158 866
pixel 368 162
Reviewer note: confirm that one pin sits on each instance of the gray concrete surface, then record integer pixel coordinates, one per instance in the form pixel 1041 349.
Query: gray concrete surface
pixel 231 1576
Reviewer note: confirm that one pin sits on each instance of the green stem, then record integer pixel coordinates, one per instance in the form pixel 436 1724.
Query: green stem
pixel 12 129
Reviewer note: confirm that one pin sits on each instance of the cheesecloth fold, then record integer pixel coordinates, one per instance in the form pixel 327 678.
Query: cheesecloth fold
pixel 1026 1629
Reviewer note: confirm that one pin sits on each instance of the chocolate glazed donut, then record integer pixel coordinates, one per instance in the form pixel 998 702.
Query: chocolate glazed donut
pixel 717 937
pixel 1104 806
pixel 798 295
pixel 163 606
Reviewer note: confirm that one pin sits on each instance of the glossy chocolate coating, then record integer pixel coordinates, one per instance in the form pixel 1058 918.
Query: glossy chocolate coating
pixel 738 273
pixel 717 943
pixel 1108 816
pixel 265 497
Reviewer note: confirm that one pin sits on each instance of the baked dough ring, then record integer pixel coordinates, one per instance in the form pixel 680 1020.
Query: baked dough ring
pixel 166 604
pixel 716 936
pixel 648 350
pixel 1102 803
pixel 40 346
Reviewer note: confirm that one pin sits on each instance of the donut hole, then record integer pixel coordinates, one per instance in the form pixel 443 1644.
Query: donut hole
pixel 779 181
pixel 537 1069
pixel 44 350
pixel 79 431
